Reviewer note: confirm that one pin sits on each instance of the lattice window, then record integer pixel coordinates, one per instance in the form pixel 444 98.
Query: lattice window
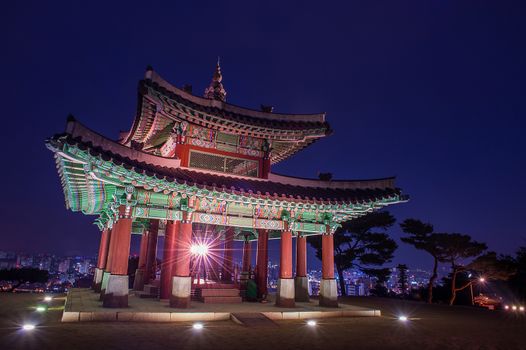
pixel 224 164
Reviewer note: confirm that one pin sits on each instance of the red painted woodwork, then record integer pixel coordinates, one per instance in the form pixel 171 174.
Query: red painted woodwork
pixel 246 255
pixel 143 250
pixel 169 258
pixel 182 267
pixel 228 254
pixel 262 263
pixel 265 168
pixel 121 249
pixel 286 255
pixel 181 152
pixel 301 256
pixel 151 254
pixel 111 247
pixel 327 256
pixel 103 248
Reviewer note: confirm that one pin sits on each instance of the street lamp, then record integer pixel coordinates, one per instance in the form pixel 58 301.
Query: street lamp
pixel 480 280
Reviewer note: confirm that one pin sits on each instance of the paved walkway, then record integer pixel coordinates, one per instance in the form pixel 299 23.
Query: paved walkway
pixel 83 305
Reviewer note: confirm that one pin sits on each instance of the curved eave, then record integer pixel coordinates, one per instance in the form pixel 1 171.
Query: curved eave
pixel 165 171
pixel 158 96
pixel 209 103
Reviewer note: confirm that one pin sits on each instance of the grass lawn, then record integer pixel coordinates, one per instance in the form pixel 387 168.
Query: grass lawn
pixel 429 327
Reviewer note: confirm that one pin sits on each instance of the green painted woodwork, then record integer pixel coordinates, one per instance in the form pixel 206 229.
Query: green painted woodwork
pixel 97 187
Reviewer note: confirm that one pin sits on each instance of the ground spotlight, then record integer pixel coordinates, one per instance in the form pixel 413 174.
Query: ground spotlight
pixel 402 318
pixel 521 308
pixel 311 323
pixel 48 298
pixel 28 327
pixel 506 307
pixel 197 326
pixel 514 308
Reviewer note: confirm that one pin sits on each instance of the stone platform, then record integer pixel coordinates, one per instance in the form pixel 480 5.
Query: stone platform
pixel 82 304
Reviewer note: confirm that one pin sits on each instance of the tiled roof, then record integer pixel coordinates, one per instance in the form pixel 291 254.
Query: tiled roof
pixel 213 181
pixel 244 116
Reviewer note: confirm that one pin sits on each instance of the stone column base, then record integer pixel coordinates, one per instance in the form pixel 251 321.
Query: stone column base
pixel 138 282
pixel 104 284
pixel 328 293
pixel 116 294
pixel 301 289
pixel 97 280
pixel 285 293
pixel 181 289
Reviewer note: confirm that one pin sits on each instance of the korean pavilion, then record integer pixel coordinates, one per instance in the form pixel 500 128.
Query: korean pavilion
pixel 198 170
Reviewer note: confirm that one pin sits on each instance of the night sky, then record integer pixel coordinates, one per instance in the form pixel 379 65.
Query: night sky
pixel 430 91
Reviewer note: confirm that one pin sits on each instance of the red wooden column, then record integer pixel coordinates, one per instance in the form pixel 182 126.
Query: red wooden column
pixel 111 248
pixel 301 281
pixel 101 260
pixel 151 253
pixel 247 250
pixel 327 256
pixel 107 268
pixel 301 256
pixel 116 293
pixel 215 264
pixel 262 264
pixel 285 292
pixel 103 248
pixel 138 282
pixel 328 288
pixel 182 282
pixel 169 257
pixel 228 252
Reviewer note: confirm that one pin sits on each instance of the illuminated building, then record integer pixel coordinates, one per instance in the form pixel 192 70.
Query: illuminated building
pixel 197 169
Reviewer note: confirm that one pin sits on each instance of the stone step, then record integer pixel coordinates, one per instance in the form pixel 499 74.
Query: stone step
pixel 252 319
pixel 220 292
pixel 144 295
pixel 151 289
pixel 217 286
pixel 222 300
pixel 156 283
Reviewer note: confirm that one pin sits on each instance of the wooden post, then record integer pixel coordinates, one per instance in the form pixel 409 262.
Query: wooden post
pixel 169 258
pixel 140 273
pixel 301 281
pixel 262 264
pixel 285 292
pixel 228 253
pixel 301 256
pixel 246 254
pixel 182 282
pixel 101 260
pixel 328 288
pixel 116 291
pixel 151 255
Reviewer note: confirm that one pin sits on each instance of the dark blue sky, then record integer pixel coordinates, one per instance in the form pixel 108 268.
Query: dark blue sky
pixel 430 91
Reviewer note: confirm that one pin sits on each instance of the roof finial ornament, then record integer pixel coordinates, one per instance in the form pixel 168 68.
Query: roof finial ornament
pixel 216 91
